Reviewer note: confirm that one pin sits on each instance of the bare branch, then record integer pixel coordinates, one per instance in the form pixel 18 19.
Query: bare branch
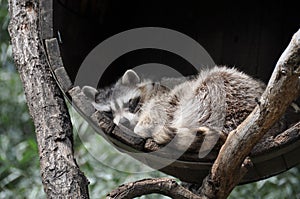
pixel 284 138
pixel 165 186
pixel 282 89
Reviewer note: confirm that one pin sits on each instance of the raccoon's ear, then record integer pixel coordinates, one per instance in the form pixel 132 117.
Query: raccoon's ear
pixel 130 78
pixel 90 92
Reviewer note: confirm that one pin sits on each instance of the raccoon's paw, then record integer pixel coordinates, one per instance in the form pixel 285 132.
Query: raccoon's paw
pixel 143 130
pixel 212 134
pixel 162 137
pixel 211 139
pixel 148 131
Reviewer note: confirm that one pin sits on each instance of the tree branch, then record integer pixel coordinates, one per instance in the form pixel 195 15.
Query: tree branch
pixel 284 138
pixel 60 173
pixel 282 89
pixel 165 186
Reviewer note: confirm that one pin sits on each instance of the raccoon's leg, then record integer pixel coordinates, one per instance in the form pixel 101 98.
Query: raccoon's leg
pixel 202 138
pixel 148 126
pixel 211 139
pixel 163 135
pixel 209 132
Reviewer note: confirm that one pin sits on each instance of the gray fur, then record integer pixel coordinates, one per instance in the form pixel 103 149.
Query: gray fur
pixel 213 103
pixel 130 78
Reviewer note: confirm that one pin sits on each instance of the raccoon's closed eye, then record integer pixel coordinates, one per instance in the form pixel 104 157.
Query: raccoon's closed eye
pixel 133 104
pixel 108 113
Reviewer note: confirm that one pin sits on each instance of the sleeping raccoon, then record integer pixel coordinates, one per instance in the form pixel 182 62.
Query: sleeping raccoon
pixel 206 107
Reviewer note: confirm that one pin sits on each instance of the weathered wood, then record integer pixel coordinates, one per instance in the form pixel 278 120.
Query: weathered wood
pixel 81 101
pixel 63 78
pixel 60 174
pixel 53 52
pixel 46 19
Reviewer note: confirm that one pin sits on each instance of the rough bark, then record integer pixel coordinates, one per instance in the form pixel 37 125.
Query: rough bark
pixel 165 186
pixel 282 89
pixel 60 174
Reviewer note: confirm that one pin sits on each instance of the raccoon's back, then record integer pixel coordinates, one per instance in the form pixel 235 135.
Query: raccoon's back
pixel 241 95
pixel 219 98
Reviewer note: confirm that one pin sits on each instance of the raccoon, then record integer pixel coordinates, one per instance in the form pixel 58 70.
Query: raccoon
pixel 124 100
pixel 205 107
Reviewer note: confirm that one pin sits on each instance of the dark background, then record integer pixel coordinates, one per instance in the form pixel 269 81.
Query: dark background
pixel 249 35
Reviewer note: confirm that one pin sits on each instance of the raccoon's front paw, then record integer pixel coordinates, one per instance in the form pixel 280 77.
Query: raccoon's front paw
pixel 162 135
pixel 212 134
pixel 162 138
pixel 211 140
pixel 143 130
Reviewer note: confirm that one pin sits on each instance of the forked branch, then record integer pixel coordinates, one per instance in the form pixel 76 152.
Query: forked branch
pixel 282 89
pixel 232 162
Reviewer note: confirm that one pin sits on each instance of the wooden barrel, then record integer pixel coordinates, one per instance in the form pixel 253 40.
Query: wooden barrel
pixel 250 36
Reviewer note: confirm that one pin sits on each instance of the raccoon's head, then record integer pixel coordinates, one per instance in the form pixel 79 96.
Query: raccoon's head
pixel 122 101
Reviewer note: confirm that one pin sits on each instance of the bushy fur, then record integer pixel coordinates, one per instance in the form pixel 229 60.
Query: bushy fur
pixel 208 105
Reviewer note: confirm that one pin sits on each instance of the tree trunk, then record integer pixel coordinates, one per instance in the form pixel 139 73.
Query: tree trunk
pixel 60 174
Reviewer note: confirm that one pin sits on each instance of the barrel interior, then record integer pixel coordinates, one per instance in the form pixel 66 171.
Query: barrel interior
pixel 247 35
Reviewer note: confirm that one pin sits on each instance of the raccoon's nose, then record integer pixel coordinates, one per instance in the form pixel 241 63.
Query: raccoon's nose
pixel 117 120
pixel 121 120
